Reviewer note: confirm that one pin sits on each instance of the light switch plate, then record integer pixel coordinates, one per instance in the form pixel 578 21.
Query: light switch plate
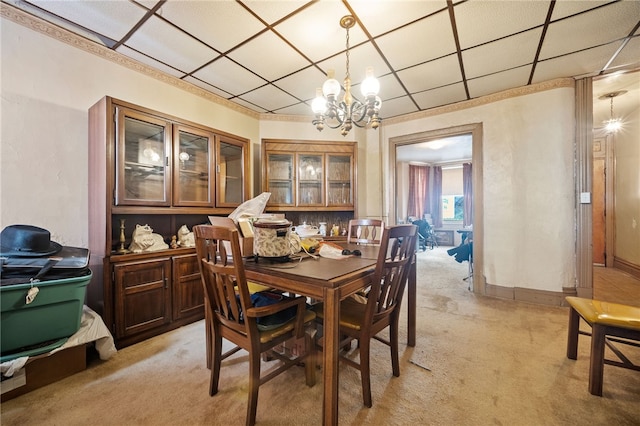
pixel 585 197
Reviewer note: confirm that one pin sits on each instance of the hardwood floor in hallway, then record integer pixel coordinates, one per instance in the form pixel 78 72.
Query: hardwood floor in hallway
pixel 614 285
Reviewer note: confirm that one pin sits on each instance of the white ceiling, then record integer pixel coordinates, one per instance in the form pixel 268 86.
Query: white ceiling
pixel 270 56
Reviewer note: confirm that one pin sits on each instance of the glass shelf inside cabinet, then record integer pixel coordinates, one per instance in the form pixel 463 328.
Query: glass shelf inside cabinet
pixel 340 193
pixel 280 178
pixel 339 183
pixel 310 193
pixel 144 170
pixel 193 168
pixel 310 179
pixel 230 174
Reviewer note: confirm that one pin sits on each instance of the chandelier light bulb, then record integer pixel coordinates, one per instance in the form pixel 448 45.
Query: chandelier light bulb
pixel 331 87
pixel 319 104
pixel 370 85
pixel 613 125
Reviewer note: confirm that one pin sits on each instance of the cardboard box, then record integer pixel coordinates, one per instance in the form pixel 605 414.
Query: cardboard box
pixel 246 242
pixel 44 369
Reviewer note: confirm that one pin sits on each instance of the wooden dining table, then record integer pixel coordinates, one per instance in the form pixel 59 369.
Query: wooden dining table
pixel 330 281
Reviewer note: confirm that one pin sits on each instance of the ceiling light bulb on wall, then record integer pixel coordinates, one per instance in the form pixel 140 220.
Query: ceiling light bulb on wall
pixel 343 114
pixel 612 125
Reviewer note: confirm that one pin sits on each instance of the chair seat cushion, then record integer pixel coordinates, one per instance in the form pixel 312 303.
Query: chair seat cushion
pixel 606 313
pixel 351 313
pixel 268 335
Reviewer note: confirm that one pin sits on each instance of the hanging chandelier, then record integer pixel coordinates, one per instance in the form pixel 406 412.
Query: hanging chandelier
pixel 345 113
pixel 612 125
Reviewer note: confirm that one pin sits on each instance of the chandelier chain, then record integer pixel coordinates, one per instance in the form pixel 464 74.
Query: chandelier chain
pixel 612 107
pixel 347 42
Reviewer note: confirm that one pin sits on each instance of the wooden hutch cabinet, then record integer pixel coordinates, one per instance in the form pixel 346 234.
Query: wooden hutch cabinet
pixel 312 180
pixel 149 168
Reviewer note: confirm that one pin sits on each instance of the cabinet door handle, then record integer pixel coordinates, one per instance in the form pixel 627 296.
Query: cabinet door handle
pixel 167 161
pixel 166 282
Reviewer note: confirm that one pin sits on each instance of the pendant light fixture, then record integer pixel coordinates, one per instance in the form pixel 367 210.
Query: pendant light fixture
pixel 343 114
pixel 612 125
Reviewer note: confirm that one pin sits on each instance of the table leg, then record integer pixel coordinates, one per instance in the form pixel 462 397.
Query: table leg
pixel 330 356
pixel 411 308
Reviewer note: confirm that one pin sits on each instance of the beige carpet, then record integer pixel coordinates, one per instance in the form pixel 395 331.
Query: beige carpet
pixel 478 361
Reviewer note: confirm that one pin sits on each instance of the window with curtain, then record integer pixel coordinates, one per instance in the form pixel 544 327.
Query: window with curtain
pixel 418 191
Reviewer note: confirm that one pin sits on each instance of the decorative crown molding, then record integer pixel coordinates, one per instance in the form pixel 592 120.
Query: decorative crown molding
pixel 484 100
pixel 43 27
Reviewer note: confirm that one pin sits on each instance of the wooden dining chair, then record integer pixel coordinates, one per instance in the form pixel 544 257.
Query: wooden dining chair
pixel 363 321
pixel 233 315
pixel 365 231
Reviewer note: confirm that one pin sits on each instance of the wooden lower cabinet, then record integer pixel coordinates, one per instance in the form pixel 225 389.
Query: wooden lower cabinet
pixel 153 296
pixel 188 293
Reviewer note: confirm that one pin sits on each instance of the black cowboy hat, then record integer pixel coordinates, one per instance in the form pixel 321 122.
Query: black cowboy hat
pixel 27 241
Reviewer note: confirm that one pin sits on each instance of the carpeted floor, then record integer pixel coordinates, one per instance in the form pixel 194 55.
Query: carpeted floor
pixel 478 361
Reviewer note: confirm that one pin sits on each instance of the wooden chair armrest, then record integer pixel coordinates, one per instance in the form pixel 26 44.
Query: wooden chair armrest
pixel 276 307
pixel 299 301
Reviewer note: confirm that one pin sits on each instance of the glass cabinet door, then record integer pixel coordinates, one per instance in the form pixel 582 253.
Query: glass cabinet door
pixel 280 178
pixel 192 160
pixel 231 158
pixel 310 180
pixel 142 176
pixel 339 180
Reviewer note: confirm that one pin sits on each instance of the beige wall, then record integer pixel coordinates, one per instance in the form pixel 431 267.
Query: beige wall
pixel 627 190
pixel 528 182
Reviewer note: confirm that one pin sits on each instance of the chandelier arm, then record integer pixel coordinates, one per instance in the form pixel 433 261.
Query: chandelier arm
pixel 358 113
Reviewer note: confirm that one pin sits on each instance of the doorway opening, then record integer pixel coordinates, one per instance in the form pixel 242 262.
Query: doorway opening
pixel 398 212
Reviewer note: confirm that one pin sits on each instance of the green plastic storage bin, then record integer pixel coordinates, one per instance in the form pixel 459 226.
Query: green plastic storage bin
pixel 55 313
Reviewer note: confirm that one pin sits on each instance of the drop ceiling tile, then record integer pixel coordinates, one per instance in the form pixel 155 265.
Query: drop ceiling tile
pixel 586 30
pixel 165 43
pixel 220 24
pixel 441 96
pixel 432 38
pixel 229 76
pixel 389 88
pixel 563 9
pixel 514 51
pixel 208 87
pixel 381 16
pixel 297 109
pixel 149 61
pixel 360 58
pixel 433 74
pixel 316 31
pixel 498 82
pixel 272 11
pixel 249 105
pixel 482 21
pixel 581 64
pixel 396 107
pixel 113 19
pixel 629 57
pixel 269 56
pixel 303 84
pixel 270 98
